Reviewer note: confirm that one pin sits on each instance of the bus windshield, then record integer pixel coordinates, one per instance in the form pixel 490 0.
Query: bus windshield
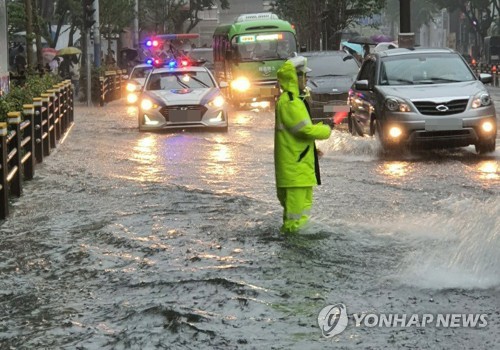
pixel 263 46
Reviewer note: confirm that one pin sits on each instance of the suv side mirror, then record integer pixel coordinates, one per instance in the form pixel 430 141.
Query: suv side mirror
pixel 362 85
pixel 485 78
pixel 223 85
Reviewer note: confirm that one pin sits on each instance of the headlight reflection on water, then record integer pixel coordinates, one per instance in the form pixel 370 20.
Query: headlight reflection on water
pixel 145 154
pixel 488 170
pixel 395 169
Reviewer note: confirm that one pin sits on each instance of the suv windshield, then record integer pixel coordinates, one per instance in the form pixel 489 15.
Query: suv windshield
pixel 264 46
pixel 419 69
pixel 179 80
pixel 330 65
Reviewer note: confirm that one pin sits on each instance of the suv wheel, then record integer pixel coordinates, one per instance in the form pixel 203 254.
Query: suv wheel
pixel 486 146
pixel 353 126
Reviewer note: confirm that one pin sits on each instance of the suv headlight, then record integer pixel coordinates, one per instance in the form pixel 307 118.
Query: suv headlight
pixel 395 104
pixel 481 99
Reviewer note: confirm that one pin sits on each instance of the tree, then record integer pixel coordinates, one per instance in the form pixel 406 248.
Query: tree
pixel 479 15
pixel 310 17
pixel 114 15
pixel 167 16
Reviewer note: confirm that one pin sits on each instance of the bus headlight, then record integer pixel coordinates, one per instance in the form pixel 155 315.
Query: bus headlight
pixel 217 102
pixel 241 84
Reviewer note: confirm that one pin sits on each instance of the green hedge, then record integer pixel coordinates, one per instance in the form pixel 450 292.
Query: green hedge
pixel 33 87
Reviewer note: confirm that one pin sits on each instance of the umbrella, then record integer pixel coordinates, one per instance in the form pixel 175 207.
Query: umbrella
pixel 21 37
pixel 69 51
pixel 381 38
pixel 354 47
pixel 48 53
pixel 131 53
pixel 362 40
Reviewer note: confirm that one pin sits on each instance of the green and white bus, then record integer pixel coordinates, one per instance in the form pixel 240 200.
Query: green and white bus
pixel 248 54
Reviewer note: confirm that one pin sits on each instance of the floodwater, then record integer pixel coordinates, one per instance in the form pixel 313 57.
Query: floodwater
pixel 128 240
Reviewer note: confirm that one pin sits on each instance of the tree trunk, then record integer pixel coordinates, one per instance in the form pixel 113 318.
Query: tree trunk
pixel 29 34
pixel 38 38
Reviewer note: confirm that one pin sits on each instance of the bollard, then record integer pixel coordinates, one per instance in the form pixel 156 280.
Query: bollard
pixel 101 91
pixel 56 112
pixel 60 104
pixel 39 127
pixel 49 118
pixel 4 185
pixel 28 141
pixel 14 149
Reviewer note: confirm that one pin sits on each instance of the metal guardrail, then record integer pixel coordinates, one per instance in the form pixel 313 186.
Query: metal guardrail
pixel 31 135
pixel 111 86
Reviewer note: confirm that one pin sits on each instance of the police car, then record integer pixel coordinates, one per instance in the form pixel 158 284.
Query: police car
pixel 178 95
pixel 136 80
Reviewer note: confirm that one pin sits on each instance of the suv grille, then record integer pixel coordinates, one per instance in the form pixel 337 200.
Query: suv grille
pixel 429 108
pixel 330 97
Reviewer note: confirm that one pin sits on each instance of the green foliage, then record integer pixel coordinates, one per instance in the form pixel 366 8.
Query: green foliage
pixel 310 17
pixel 168 16
pixel 15 16
pixel 33 87
pixel 480 14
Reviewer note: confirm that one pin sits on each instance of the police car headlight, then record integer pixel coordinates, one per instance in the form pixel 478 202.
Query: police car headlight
pixel 217 102
pixel 241 84
pixel 482 99
pixel 131 87
pixel 147 105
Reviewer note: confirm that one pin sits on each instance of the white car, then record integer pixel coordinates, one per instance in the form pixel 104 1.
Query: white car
pixel 136 81
pixel 181 98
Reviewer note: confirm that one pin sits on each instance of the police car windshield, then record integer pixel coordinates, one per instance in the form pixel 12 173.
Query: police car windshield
pixel 140 72
pixel 179 80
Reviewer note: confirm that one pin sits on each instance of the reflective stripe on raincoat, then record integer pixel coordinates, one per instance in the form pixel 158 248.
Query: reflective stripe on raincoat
pixel 294 134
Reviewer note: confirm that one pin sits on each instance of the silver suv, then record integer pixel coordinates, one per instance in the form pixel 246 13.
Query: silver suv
pixel 422 97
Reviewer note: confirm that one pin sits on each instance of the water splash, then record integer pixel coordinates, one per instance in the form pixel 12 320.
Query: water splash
pixel 457 248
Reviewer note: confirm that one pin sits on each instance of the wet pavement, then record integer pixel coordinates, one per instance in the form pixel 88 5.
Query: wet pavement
pixel 128 240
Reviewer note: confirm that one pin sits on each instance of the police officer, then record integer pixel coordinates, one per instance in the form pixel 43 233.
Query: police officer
pixel 295 154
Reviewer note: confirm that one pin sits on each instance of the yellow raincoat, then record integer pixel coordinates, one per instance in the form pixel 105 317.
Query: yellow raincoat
pixel 295 161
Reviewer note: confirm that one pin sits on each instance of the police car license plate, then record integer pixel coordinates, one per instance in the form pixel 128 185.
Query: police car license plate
pixel 178 116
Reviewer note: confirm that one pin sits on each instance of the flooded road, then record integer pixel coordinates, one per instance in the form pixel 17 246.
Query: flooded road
pixel 128 240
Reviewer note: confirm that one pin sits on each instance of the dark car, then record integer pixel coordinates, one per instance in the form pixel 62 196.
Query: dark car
pixel 201 54
pixel 332 75
pixel 422 97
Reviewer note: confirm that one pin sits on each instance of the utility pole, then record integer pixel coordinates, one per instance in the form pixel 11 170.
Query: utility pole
pixel 406 37
pixel 97 36
pixel 88 22
pixel 136 24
